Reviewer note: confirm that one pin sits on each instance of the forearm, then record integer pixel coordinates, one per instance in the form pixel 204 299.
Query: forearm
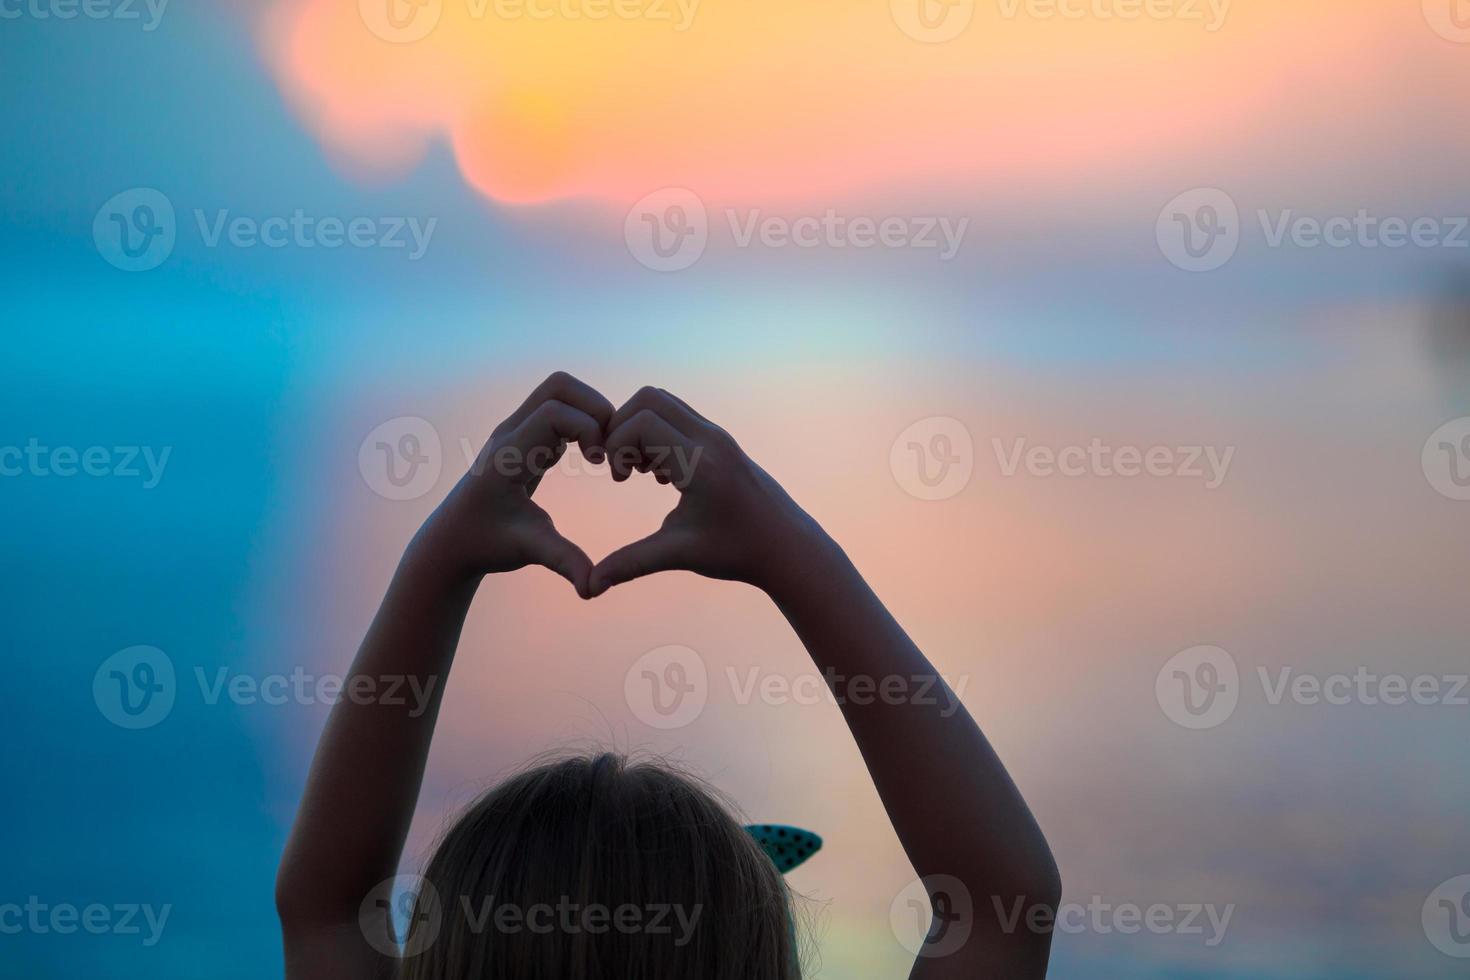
pixel 954 807
pixel 365 777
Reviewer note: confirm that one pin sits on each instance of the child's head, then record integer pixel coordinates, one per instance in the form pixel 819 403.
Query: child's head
pixel 595 867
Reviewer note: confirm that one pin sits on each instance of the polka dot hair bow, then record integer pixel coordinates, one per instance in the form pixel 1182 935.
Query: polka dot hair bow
pixel 787 847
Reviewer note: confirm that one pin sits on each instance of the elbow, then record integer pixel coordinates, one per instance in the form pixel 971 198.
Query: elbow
pixel 288 902
pixel 1047 886
pixel 1033 887
pixel 1040 880
pixel 296 905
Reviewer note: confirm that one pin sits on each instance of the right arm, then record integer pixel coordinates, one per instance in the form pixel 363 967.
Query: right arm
pixel 961 820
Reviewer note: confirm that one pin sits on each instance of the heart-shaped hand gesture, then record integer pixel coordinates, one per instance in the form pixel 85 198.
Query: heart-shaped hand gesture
pixel 489 523
pixel 729 521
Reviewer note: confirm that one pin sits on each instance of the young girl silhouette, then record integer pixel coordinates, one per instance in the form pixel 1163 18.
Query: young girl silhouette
pixel 558 873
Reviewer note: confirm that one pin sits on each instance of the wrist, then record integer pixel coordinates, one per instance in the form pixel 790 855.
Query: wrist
pixel 802 553
pixel 437 555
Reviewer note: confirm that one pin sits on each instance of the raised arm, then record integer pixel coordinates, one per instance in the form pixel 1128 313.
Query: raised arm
pixel 365 778
pixel 960 818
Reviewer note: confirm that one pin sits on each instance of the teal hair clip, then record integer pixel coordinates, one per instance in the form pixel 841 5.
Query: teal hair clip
pixel 787 847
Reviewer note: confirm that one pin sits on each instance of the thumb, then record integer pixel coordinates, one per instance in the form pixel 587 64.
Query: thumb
pixel 550 550
pixel 661 551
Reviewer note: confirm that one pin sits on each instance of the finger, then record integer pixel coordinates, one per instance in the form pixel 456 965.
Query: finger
pixel 537 443
pixel 704 423
pixel 550 550
pixel 557 452
pixel 647 443
pixel 687 407
pixel 661 551
pixel 562 387
pixel 663 404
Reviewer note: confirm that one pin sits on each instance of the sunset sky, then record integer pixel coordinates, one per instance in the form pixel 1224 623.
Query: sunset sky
pixel 1062 317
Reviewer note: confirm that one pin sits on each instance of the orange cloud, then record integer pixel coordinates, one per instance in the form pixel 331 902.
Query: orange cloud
pixel 776 101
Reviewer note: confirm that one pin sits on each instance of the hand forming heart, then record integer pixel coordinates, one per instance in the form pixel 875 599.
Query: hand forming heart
pixel 728 524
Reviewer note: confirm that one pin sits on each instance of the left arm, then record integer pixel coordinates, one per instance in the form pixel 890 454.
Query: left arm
pixel 365 778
